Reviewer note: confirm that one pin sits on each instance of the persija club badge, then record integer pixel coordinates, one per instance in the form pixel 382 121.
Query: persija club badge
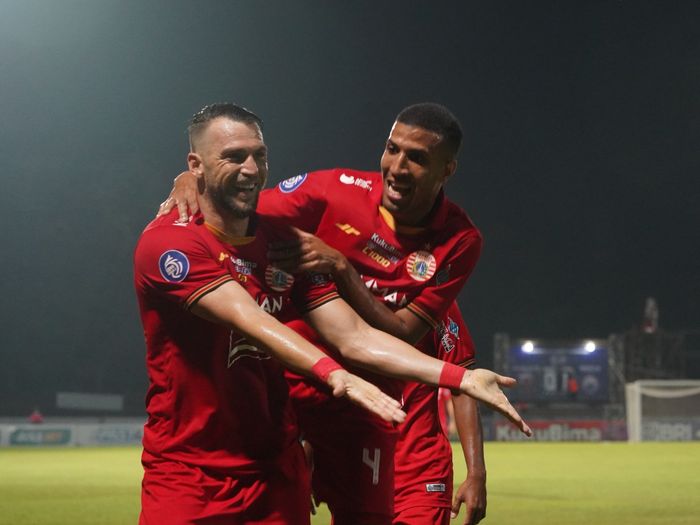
pixel 277 279
pixel 421 265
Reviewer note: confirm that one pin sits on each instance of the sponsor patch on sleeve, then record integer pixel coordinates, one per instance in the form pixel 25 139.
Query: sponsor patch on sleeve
pixel 174 266
pixel 292 183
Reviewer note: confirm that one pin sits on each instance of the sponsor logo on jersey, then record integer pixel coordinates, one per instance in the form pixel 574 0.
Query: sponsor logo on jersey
pixel 391 251
pixel 242 266
pixel 351 180
pixel 388 296
pixel 445 331
pixel 420 265
pixel 242 348
pixel 347 229
pixel 381 251
pixel 277 279
pixel 174 266
pixel 270 303
pixel 292 183
pixel 435 487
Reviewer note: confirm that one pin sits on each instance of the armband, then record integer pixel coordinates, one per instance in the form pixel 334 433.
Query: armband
pixel 451 376
pixel 323 368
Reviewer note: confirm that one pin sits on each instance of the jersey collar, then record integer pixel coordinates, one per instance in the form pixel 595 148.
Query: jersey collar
pixel 436 220
pixel 235 240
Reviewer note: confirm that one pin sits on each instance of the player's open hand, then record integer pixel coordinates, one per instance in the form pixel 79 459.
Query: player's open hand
pixel 484 385
pixel 368 396
pixel 183 195
pixel 304 253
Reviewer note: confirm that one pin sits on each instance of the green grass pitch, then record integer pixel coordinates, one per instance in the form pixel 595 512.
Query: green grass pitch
pixel 528 483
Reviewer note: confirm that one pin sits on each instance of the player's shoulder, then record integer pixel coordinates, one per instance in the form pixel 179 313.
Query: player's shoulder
pixel 168 230
pixel 456 221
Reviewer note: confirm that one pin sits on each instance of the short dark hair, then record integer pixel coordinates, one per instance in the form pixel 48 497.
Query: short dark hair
pixel 221 109
pixel 435 118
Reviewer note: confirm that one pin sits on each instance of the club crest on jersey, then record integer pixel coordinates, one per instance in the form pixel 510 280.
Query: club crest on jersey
pixel 242 348
pixel 421 265
pixel 174 266
pixel 292 183
pixel 277 279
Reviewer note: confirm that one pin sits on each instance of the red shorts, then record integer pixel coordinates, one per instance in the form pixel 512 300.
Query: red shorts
pixel 353 462
pixel 176 494
pixel 423 516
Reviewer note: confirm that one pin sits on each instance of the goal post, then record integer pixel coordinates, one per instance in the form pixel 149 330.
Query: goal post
pixel 663 410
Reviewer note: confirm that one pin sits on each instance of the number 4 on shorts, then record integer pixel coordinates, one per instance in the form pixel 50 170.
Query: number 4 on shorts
pixel 372 463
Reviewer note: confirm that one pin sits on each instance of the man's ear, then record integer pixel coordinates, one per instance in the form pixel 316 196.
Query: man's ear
pixel 194 163
pixel 450 169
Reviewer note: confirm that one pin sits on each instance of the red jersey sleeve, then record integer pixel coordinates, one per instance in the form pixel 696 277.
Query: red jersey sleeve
pixel 298 201
pixel 452 339
pixel 312 290
pixel 454 269
pixel 175 262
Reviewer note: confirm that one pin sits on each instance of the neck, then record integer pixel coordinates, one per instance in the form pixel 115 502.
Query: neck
pixel 224 221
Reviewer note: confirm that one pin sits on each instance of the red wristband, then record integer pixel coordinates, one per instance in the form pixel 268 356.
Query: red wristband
pixel 323 368
pixel 451 376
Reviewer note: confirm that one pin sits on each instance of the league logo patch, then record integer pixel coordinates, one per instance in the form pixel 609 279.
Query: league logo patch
pixel 277 279
pixel 421 265
pixel 453 327
pixel 292 183
pixel 174 266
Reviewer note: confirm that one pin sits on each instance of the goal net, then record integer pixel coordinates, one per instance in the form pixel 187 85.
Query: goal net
pixel 663 410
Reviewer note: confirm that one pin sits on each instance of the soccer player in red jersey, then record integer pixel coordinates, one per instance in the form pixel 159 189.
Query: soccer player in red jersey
pixel 219 443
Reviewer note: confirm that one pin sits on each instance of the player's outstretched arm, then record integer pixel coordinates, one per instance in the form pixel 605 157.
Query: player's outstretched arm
pixel 231 305
pixel 183 195
pixel 366 347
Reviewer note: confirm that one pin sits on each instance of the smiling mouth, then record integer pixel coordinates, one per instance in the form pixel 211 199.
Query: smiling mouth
pixel 397 191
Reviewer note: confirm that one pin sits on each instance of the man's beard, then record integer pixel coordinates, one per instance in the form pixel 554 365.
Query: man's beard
pixel 240 210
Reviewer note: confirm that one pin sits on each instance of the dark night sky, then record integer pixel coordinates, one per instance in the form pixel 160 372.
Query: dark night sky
pixel 580 163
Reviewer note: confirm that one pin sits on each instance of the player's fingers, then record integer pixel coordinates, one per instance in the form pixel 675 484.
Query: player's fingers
pixel 456 505
pixel 193 203
pixel 182 211
pixel 299 233
pixel 509 411
pixel 505 381
pixel 469 517
pixel 165 207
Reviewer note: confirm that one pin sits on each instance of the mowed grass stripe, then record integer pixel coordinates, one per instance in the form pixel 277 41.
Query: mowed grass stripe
pixel 528 483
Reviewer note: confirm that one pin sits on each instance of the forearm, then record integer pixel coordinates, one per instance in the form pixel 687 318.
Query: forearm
pixel 353 289
pixel 379 352
pixel 468 421
pixel 236 309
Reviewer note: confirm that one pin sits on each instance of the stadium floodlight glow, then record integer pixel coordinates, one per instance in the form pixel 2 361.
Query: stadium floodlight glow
pixel 589 347
pixel 528 347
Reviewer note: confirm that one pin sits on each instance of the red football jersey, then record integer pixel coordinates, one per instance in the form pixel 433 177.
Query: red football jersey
pixel 423 457
pixel 214 399
pixel 422 269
